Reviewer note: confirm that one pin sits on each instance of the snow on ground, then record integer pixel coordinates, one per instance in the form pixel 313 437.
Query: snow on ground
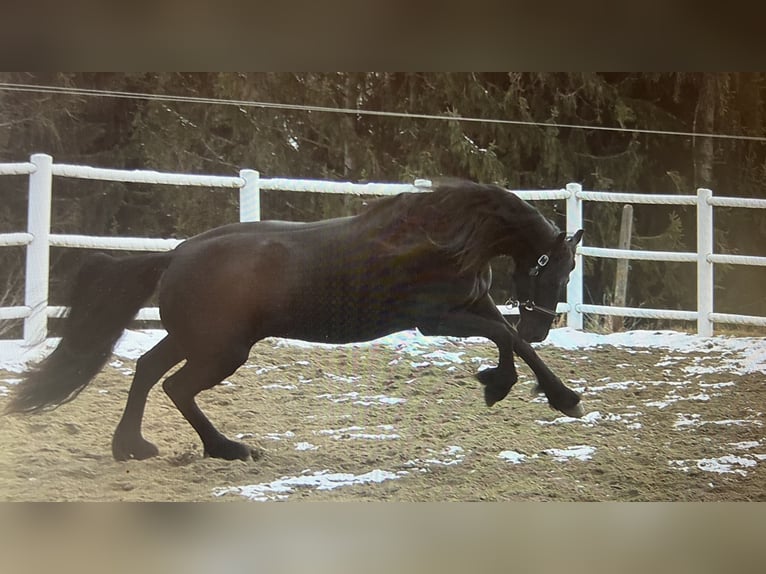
pixel 580 452
pixel 325 480
pixel 734 355
pixel 746 354
pixel 749 353
pixel 320 480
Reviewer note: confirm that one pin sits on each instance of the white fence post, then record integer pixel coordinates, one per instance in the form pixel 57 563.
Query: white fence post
pixel 705 235
pixel 250 196
pixel 38 250
pixel 574 288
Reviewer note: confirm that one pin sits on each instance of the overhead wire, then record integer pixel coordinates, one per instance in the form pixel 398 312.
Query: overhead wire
pixel 63 90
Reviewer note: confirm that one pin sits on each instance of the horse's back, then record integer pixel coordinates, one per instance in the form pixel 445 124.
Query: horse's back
pixel 253 277
pixel 337 280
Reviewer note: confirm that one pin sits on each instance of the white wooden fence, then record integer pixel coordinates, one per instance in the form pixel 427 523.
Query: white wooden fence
pixel 38 239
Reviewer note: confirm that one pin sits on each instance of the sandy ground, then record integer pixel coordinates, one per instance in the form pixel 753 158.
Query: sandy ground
pixel 389 424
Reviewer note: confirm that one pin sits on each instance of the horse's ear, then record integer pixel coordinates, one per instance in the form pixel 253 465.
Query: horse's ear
pixel 575 239
pixel 560 239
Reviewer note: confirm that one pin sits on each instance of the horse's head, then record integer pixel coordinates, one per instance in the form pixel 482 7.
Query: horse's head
pixel 540 286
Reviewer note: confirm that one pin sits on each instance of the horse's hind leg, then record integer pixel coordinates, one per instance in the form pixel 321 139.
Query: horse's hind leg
pixel 199 374
pixel 128 442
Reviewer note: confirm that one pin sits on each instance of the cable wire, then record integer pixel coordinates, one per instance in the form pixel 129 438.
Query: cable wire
pixel 36 88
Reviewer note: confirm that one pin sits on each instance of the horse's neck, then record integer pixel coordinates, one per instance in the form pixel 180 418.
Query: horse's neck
pixel 530 240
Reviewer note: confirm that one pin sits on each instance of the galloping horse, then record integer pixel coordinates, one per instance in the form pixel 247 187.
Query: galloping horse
pixel 414 260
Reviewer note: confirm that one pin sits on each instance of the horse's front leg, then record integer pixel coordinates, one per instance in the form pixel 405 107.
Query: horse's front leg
pixel 560 397
pixel 497 381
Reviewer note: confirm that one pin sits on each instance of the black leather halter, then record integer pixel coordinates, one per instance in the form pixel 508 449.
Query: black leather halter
pixel 529 304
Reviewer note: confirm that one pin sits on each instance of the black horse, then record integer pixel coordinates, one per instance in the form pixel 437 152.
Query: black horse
pixel 415 260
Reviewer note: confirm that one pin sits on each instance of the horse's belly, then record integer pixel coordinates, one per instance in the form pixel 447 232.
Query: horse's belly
pixel 341 314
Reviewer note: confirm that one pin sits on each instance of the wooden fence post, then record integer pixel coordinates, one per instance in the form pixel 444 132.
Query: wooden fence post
pixel 621 278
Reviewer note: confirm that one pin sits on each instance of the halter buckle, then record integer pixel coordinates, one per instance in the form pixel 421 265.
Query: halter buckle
pixel 542 261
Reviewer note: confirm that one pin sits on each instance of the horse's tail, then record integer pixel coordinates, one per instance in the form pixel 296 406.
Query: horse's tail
pixel 107 293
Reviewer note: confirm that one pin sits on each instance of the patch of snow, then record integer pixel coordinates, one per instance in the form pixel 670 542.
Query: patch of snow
pixel 121 367
pixel 588 420
pixel 695 420
pixel 321 480
pixel 745 445
pixel 362 400
pixel 279 386
pixel 15 357
pixel 133 344
pixel 671 399
pixel 683 420
pixel 340 431
pixel 716 385
pixel 448 456
pixel 700 370
pixel 662 404
pixel 342 378
pixel 514 457
pixel 370 436
pixel 442 358
pixel 579 452
pixel 743 354
pixel 353 432
pixel 264 370
pixel 727 464
pixel 616 386
pixel 277 436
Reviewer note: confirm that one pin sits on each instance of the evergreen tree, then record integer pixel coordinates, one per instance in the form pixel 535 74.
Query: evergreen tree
pixel 221 139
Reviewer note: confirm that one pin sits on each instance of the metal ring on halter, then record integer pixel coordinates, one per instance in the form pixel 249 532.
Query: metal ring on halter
pixel 531 306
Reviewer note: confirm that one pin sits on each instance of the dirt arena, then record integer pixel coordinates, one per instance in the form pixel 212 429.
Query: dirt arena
pixel 407 422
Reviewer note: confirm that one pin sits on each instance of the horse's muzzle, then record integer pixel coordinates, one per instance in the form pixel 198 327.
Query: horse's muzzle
pixel 532 335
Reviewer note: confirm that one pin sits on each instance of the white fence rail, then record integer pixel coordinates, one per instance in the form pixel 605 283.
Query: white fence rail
pixel 38 239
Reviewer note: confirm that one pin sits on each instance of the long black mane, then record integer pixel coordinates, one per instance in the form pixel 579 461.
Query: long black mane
pixel 464 220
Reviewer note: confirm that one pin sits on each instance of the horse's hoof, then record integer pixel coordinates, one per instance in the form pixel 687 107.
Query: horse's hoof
pixel 232 450
pixel 494 377
pixel 495 393
pixel 138 450
pixel 577 411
